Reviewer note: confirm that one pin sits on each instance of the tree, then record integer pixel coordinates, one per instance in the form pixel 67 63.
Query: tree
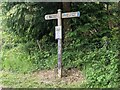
pixel 66 22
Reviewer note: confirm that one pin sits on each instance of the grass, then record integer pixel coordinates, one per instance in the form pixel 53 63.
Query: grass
pixel 15 80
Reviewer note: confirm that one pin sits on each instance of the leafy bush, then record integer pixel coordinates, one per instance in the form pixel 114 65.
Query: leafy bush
pixel 17 60
pixel 102 68
pixel 25 57
pixel 72 59
pixel 44 60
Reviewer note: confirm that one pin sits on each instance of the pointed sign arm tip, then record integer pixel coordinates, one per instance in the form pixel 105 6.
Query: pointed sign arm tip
pixel 78 13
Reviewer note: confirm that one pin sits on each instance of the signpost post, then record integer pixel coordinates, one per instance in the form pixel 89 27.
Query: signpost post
pixel 58 32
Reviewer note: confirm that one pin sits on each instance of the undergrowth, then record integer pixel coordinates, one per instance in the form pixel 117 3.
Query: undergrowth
pixel 100 65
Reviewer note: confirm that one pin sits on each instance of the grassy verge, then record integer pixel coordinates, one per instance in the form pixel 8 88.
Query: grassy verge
pixel 15 80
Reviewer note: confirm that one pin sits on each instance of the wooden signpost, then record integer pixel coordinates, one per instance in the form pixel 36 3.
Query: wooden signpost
pixel 58 32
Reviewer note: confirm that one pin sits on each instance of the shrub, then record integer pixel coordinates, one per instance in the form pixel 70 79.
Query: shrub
pixel 44 59
pixel 102 68
pixel 72 59
pixel 17 60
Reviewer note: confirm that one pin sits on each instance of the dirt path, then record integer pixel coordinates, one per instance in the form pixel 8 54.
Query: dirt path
pixel 69 76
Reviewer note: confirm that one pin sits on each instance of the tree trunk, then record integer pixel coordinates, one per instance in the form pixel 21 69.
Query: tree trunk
pixel 59 5
pixel 118 35
pixel 119 15
pixel 66 24
pixel 110 24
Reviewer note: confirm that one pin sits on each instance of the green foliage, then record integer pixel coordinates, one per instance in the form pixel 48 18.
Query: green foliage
pixel 102 68
pixel 44 60
pixel 17 60
pixel 72 59
pixel 26 20
pixel 25 57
